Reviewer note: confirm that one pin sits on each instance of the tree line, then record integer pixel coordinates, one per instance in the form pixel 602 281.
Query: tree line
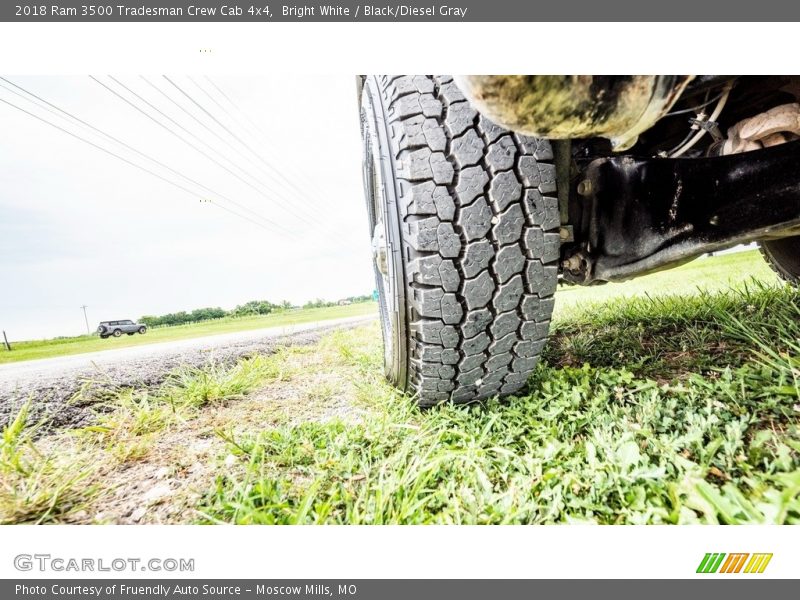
pixel 248 309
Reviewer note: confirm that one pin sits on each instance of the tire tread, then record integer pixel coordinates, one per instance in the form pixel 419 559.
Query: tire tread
pixel 479 224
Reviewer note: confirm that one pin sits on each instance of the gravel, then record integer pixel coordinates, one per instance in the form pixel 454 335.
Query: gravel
pixel 65 393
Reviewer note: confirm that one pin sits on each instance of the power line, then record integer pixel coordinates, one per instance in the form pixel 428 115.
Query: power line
pixel 125 160
pixel 38 105
pixel 177 124
pixel 237 138
pixel 214 100
pixel 288 204
pixel 184 140
pixel 311 194
pixel 209 130
pixel 264 136
pixel 140 153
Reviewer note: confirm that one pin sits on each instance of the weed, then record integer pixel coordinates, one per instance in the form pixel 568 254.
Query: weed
pixel 36 487
pixel 699 426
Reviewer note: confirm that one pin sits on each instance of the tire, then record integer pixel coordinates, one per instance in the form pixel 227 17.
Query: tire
pixel 465 222
pixel 117 333
pixel 142 330
pixel 783 256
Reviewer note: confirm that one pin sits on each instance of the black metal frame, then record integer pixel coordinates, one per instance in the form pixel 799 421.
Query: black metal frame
pixel 633 215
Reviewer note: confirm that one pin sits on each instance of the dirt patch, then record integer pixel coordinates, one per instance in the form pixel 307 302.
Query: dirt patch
pixel 70 399
pixel 166 479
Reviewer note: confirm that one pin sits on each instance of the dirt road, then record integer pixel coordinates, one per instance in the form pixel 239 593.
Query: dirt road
pixel 51 384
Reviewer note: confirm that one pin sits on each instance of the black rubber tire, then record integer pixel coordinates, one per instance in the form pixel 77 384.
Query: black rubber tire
pixel 142 330
pixel 117 333
pixel 783 256
pixel 474 231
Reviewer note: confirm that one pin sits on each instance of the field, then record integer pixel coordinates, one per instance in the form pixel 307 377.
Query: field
pixel 92 343
pixel 719 272
pixel 681 407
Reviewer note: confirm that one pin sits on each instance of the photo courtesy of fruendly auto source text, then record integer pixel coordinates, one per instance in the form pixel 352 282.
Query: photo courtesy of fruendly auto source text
pixel 464 299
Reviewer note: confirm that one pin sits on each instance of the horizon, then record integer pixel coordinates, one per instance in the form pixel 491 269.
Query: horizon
pixel 81 227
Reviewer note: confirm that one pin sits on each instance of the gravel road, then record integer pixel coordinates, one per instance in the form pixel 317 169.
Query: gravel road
pixel 52 384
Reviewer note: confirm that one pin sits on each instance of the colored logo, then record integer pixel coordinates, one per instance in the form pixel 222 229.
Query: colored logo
pixel 719 562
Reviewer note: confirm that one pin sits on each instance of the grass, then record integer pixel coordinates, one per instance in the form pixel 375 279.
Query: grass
pixel 599 442
pixel 36 486
pixel 32 350
pixel 712 273
pixel 55 478
pixel 660 409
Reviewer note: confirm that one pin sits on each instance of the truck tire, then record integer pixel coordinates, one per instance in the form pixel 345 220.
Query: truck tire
pixel 783 256
pixel 464 221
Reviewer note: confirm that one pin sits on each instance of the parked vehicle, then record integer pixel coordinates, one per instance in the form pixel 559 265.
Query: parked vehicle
pixel 117 328
pixel 484 192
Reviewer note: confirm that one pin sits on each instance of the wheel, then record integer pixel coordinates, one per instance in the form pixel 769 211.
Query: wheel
pixel 117 333
pixel 464 223
pixel 142 329
pixel 783 256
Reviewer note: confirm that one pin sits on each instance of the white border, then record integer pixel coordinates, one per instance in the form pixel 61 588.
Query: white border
pixel 347 49
pixel 428 552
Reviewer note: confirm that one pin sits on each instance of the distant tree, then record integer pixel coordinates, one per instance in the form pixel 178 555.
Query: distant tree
pixel 183 317
pixel 318 303
pixel 206 314
pixel 254 307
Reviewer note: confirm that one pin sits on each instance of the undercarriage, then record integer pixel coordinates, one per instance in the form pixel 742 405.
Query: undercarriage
pixel 671 167
pixel 484 192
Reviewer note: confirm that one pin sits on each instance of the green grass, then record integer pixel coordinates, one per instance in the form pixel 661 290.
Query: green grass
pixel 52 484
pixel 664 410
pixel 80 344
pixel 714 273
pixel 35 486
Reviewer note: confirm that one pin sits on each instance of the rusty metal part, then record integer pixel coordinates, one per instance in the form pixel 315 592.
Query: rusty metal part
pixel 775 126
pixel 617 107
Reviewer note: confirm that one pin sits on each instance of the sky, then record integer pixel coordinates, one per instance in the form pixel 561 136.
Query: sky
pixel 81 227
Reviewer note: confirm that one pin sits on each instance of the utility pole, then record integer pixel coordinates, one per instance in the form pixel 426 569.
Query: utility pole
pixel 85 318
pixel 5 339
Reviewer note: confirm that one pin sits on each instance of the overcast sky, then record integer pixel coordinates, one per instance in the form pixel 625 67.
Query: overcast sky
pixel 78 226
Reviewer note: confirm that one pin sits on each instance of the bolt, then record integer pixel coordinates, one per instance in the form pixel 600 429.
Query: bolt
pixel 563 234
pixel 573 263
pixel 585 188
